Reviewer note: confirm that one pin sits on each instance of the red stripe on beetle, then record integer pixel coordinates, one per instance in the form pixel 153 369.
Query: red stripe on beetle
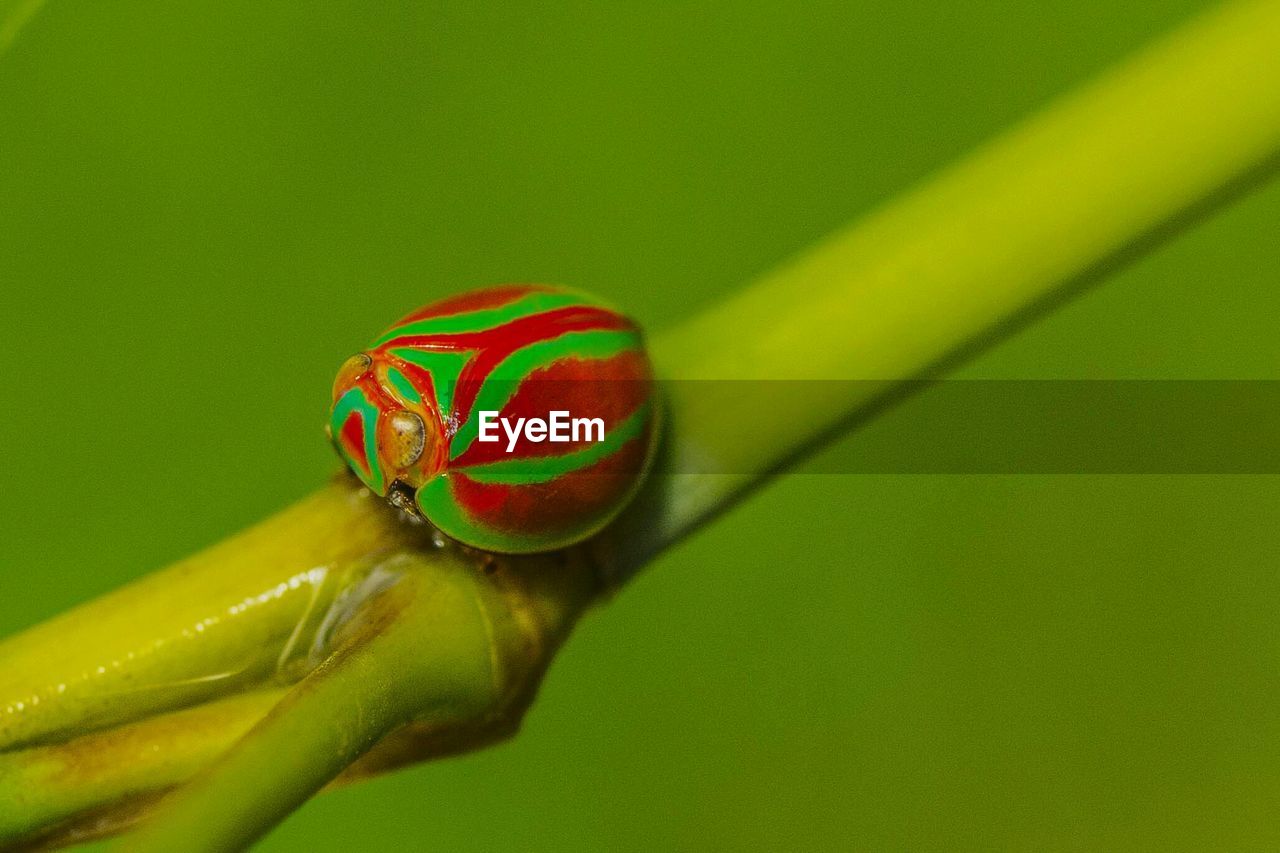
pixel 530 327
pixel 610 389
pixel 579 499
pixel 352 436
pixel 465 303
pixel 520 334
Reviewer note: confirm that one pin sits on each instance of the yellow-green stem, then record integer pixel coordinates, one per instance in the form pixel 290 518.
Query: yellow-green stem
pixel 424 652
pixel 39 787
pixel 893 296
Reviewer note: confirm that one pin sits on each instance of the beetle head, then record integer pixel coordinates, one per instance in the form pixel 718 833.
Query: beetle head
pixel 382 425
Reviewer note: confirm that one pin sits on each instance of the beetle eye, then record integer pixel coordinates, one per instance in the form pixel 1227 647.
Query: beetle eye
pixel 407 436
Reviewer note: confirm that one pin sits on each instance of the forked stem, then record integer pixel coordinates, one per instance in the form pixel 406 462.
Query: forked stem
pixel 422 652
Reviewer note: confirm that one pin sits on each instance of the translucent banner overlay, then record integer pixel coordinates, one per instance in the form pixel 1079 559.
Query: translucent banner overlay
pixel 938 427
pixel 1031 426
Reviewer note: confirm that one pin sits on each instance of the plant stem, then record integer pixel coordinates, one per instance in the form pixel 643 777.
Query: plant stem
pixel 41 786
pixel 208 625
pixel 1050 204
pixel 14 15
pixel 423 652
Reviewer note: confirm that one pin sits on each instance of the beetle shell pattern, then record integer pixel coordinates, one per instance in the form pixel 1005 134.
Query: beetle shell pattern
pixel 405 415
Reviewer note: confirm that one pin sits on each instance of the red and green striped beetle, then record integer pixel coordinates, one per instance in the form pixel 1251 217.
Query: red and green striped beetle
pixel 406 415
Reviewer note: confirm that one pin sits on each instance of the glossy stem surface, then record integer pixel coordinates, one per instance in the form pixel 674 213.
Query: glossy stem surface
pixel 422 651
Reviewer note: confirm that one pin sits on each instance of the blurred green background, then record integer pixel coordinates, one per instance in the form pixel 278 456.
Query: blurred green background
pixel 204 207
